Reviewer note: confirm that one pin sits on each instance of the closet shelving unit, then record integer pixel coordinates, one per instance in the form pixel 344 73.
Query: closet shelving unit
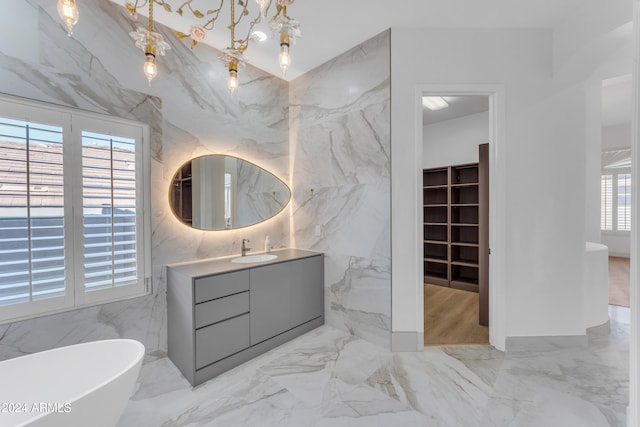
pixel 181 194
pixel 436 225
pixel 452 226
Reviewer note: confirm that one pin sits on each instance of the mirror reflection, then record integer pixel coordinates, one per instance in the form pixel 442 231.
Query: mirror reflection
pixel 218 192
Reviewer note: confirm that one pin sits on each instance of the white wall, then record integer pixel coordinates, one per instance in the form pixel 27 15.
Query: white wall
pixel 543 158
pixel 601 138
pixel 592 33
pixel 616 61
pixel 593 44
pixel 633 417
pixel 454 142
pixel 616 137
pixel 593 159
pixel 619 244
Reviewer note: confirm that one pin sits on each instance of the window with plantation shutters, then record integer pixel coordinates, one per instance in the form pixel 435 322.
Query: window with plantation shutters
pixel 615 201
pixel 624 202
pixel 606 202
pixel 109 210
pixel 73 215
pixel 32 255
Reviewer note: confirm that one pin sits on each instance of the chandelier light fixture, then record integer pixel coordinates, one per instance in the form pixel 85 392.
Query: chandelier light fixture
pixel 151 43
pixel 283 27
pixel 286 29
pixel 68 12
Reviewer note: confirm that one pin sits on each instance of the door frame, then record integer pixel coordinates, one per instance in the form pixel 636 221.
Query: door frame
pixel 633 415
pixel 497 197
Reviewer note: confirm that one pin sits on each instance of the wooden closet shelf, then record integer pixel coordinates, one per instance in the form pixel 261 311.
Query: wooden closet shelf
pixel 465 244
pixel 437 260
pixel 465 264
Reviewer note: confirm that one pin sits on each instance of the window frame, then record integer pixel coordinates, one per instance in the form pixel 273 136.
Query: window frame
pixel 614 173
pixel 626 221
pixel 73 122
pixel 607 213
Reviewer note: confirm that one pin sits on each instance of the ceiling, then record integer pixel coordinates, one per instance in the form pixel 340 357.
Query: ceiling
pixel 459 106
pixel 617 104
pixel 331 27
pixel 617 101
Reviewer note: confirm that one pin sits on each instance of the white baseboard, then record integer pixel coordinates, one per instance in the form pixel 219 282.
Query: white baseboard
pixel 407 341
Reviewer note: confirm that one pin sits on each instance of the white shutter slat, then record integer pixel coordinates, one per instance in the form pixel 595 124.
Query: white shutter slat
pixel 624 202
pixel 606 202
pixel 109 203
pixel 31 205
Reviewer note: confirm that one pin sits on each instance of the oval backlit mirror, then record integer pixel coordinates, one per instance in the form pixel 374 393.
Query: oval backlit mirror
pixel 217 192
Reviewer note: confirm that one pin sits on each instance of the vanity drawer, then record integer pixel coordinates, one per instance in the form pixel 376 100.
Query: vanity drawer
pixel 221 285
pixel 223 339
pixel 221 309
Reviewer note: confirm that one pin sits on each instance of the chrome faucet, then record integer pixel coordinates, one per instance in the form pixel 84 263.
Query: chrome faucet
pixel 245 249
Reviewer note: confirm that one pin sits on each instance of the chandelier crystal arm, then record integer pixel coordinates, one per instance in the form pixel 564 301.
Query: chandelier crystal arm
pixel 281 10
pixel 284 28
pixel 245 11
pixel 244 42
pixel 198 13
pixel 132 8
pixel 213 16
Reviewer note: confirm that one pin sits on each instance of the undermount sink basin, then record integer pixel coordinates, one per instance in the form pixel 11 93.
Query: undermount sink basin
pixel 254 258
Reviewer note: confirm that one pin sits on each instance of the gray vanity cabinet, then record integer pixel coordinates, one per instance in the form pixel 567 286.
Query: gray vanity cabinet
pixel 220 315
pixel 307 290
pixel 270 301
pixel 284 296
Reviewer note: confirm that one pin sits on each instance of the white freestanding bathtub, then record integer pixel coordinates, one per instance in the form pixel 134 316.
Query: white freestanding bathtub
pixel 84 385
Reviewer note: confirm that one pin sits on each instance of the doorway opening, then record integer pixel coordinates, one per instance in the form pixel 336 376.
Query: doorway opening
pixel 615 185
pixel 455 200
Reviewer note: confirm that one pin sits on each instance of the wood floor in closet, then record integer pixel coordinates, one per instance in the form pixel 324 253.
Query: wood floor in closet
pixel 451 317
pixel 619 281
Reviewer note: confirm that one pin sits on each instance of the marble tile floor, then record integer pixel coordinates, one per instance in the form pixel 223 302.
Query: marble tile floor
pixel 330 378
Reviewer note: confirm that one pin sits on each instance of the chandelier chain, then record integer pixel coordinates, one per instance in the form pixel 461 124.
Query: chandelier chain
pixel 150 15
pixel 233 23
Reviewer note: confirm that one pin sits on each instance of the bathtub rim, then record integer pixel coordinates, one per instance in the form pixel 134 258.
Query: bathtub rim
pixel 137 360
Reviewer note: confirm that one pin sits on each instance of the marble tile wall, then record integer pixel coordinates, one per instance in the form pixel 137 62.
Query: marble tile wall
pixel 190 113
pixel 340 154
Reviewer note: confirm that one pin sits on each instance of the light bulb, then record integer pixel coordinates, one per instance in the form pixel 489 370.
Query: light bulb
pixel 262 4
pixel 233 80
pixel 68 11
pixel 150 67
pixel 285 58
